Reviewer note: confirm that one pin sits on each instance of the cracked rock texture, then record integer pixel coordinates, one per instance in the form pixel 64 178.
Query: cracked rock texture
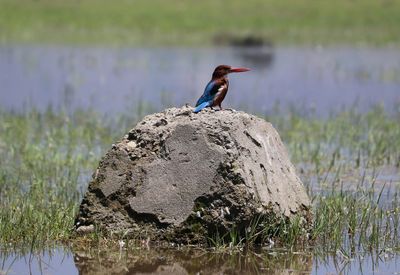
pixel 181 177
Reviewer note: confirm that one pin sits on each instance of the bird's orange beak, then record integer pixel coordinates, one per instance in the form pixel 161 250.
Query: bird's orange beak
pixel 238 70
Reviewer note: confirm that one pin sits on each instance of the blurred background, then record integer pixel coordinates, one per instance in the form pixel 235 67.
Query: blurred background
pixel 316 57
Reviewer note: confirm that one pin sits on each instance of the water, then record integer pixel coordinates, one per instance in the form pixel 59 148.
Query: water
pixel 193 261
pixel 116 80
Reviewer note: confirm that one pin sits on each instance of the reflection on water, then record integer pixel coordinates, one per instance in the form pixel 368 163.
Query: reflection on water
pixel 194 261
pixel 114 80
pixel 53 261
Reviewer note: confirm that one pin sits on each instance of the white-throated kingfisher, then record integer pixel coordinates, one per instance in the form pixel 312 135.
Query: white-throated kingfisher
pixel 216 89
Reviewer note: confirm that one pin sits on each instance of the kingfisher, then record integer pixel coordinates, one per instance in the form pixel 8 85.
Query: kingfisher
pixel 216 89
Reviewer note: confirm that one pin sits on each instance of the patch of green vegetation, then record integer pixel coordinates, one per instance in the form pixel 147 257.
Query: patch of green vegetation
pixel 46 160
pixel 351 222
pixel 349 137
pixel 179 22
pixel 356 221
pixel 265 231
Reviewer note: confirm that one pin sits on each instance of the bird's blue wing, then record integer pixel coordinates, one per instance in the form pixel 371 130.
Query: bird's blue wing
pixel 208 94
pixel 201 106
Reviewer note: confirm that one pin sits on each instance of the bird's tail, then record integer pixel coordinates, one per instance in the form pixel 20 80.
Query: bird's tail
pixel 201 107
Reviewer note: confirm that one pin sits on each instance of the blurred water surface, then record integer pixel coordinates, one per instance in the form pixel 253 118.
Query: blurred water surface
pixel 118 80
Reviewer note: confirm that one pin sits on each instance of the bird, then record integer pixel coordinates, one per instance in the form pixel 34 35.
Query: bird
pixel 217 88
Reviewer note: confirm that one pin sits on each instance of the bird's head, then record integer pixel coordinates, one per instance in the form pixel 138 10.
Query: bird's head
pixel 223 70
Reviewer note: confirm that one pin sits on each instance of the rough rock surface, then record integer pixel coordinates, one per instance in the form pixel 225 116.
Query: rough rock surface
pixel 180 176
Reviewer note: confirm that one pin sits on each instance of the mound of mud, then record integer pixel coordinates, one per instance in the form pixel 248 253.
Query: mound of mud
pixel 182 177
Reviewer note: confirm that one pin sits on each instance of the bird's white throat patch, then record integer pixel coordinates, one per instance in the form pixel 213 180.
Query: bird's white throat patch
pixel 222 88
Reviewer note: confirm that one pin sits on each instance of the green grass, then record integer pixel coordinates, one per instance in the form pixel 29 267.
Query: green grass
pixel 46 160
pixel 351 222
pixel 348 140
pixel 180 22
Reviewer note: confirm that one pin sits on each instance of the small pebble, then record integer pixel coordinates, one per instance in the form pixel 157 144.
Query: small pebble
pixel 85 229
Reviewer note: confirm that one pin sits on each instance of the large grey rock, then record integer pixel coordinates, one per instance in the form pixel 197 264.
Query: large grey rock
pixel 181 176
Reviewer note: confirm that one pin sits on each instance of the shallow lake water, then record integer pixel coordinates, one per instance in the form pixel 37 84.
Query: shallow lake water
pixel 194 261
pixel 116 80
pixel 112 81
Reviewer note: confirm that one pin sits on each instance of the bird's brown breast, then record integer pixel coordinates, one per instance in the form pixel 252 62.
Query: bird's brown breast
pixel 222 91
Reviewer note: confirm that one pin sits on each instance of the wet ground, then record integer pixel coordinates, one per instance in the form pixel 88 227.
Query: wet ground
pixel 115 80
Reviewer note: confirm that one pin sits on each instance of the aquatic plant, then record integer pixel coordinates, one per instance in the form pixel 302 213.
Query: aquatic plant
pixel 45 161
